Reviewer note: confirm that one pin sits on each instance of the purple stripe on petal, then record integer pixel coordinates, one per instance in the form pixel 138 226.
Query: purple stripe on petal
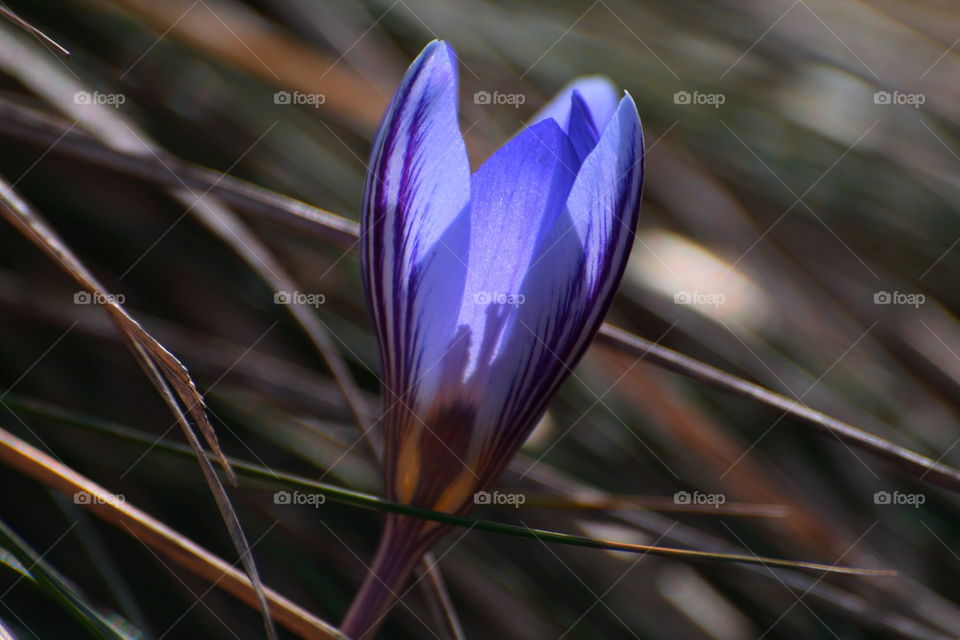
pixel 581 129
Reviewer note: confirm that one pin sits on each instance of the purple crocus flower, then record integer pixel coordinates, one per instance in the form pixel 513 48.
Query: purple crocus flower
pixel 485 289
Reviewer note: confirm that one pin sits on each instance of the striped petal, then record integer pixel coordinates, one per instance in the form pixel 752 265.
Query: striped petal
pixel 603 208
pixel 416 204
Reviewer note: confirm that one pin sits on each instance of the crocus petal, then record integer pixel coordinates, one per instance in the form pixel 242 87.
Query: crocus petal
pixel 599 94
pixel 603 206
pixel 417 188
pixel 516 197
pixel 581 128
pixel 568 290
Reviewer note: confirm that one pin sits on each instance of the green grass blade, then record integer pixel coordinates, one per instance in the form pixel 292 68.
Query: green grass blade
pixel 29 564
pixel 367 501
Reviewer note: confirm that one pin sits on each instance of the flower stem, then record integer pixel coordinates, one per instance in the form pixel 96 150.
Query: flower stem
pixel 403 543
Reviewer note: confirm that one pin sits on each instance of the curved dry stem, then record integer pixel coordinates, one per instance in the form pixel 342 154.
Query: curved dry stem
pixel 167 374
pixel 39 35
pixel 909 461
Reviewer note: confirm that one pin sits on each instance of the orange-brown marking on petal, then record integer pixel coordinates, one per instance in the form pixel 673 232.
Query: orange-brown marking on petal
pixel 408 466
pixel 457 493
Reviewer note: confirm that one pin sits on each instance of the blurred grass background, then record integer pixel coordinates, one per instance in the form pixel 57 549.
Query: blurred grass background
pixel 787 211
